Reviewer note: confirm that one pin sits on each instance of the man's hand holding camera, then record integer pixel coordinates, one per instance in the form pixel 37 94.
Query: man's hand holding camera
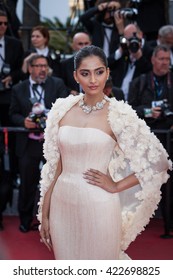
pixel 28 122
pixel 160 108
pixel 102 7
pixel 110 6
pixel 119 21
pixel 37 117
pixel 156 112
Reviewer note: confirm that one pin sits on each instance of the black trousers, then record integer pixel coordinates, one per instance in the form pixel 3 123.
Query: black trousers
pixel 6 177
pixel 5 188
pixel 29 170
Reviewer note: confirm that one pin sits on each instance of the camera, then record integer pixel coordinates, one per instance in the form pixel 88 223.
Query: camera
pixel 129 13
pixel 111 11
pixel 134 43
pixel 38 115
pixel 165 107
pixel 5 70
pixel 123 44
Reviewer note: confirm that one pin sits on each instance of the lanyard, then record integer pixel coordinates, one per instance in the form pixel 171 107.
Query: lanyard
pixel 37 94
pixel 158 87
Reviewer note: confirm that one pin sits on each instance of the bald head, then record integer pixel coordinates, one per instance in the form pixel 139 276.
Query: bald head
pixel 132 28
pixel 80 40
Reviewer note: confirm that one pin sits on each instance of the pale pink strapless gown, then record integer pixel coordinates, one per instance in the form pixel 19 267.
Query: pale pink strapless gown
pixel 85 220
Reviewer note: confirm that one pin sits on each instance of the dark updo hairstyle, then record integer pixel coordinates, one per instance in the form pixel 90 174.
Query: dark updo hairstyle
pixel 87 52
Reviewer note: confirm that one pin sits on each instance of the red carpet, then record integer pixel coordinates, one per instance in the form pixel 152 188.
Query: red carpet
pixel 20 246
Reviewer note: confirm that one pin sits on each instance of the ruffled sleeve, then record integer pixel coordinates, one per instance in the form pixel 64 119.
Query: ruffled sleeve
pixel 51 153
pixel 50 148
pixel 141 153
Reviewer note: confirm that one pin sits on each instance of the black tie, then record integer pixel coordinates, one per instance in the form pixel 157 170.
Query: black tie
pixel 34 86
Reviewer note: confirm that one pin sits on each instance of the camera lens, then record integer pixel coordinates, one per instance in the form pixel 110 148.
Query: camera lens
pixel 134 43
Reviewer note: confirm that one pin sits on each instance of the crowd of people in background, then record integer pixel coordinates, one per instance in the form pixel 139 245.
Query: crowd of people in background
pixel 139 49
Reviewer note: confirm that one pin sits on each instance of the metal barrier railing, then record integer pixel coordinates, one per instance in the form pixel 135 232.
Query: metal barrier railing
pixel 5 131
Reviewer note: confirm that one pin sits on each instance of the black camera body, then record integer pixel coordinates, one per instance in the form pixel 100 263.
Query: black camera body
pixel 38 115
pixel 165 107
pixel 134 43
pixel 39 119
pixel 5 70
pixel 111 12
pixel 123 44
pixel 129 13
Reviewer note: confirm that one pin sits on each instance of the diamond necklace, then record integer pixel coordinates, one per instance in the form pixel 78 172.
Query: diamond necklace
pixel 88 108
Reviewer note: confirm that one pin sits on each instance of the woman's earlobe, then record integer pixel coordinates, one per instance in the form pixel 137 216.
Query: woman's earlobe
pixel 74 75
pixel 108 73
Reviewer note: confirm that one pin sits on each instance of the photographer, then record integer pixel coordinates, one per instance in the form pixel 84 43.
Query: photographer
pixel 11 52
pixel 149 92
pixel 151 95
pixel 31 101
pixel 102 25
pixel 165 37
pixel 131 58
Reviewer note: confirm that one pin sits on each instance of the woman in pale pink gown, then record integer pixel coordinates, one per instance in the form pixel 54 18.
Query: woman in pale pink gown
pixel 101 182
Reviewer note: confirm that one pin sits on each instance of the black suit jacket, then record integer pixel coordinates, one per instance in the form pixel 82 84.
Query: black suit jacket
pixel 13 57
pixel 118 93
pixel 67 68
pixel 151 15
pixel 21 106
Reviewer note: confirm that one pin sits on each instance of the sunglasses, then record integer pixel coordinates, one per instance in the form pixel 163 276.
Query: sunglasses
pixel 3 23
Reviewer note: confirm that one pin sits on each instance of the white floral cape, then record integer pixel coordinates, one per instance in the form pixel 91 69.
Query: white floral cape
pixel 138 151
